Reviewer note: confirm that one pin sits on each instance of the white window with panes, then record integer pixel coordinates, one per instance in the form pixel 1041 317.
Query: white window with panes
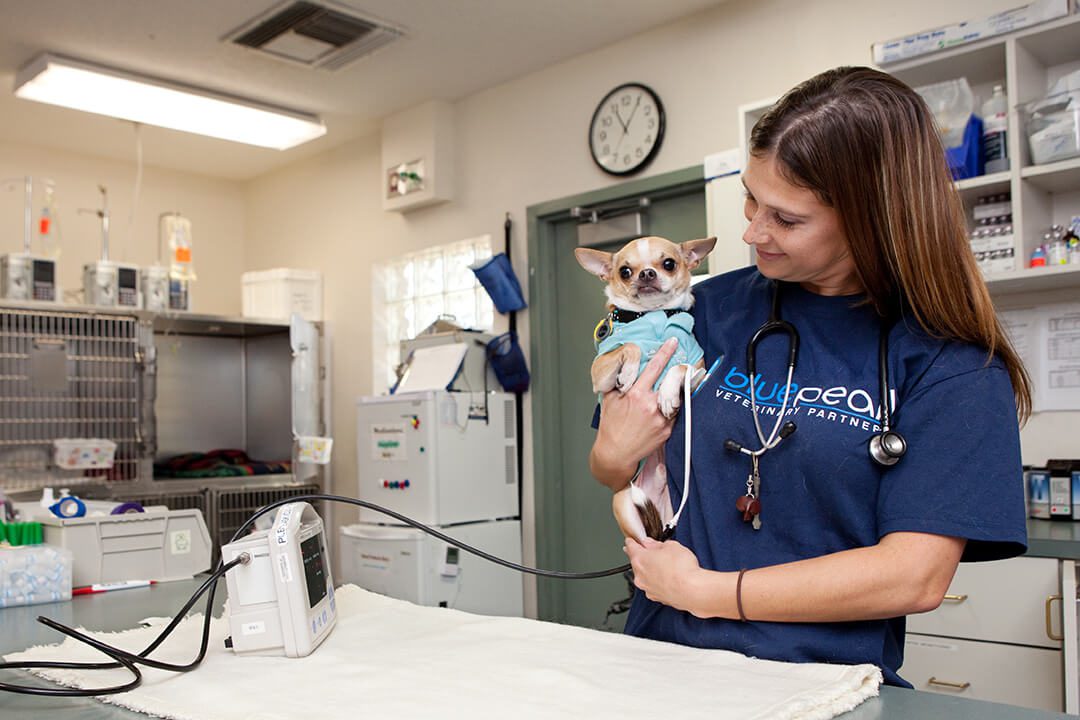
pixel 413 291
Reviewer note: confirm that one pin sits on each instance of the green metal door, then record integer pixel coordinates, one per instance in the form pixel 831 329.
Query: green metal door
pixel 575 529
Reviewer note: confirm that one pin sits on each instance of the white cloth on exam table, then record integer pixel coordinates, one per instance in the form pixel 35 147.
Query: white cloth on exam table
pixel 389 658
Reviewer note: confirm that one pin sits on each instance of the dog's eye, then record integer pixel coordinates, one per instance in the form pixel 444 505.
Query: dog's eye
pixel 669 265
pixel 625 272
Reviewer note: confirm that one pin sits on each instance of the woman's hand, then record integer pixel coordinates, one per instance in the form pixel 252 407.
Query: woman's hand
pixel 631 425
pixel 667 572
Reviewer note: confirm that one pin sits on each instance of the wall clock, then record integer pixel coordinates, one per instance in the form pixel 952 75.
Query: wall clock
pixel 627 129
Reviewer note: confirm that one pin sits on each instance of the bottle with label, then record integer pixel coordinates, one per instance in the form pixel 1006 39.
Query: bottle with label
pixel 1038 257
pixel 995 113
pixel 1057 253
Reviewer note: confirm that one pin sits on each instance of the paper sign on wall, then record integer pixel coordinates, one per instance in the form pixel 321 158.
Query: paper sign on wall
pixel 1047 339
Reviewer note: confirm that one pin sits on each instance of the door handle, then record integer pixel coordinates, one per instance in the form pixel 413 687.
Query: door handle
pixel 1050 618
pixel 947 684
pixel 955 598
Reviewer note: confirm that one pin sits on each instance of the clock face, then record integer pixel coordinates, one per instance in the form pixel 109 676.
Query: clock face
pixel 627 129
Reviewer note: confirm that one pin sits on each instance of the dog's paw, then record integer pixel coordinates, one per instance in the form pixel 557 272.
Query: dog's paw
pixel 627 375
pixel 605 382
pixel 669 395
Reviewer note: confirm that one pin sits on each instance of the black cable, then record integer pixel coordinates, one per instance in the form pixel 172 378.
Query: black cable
pixel 122 658
pixel 125 659
pixel 431 531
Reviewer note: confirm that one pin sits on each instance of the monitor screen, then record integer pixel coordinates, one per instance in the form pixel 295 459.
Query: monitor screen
pixel 44 271
pixel 314 569
pixel 128 278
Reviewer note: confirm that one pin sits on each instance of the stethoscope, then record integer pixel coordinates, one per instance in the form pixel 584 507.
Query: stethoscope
pixel 886 447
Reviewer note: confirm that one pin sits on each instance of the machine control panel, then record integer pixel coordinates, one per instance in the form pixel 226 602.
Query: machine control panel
pixel 394 484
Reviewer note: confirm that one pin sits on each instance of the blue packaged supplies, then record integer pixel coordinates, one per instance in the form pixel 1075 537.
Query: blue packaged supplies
pixel 497 277
pixel 966 160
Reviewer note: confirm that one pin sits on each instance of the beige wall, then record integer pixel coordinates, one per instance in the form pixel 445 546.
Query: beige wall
pixel 216 208
pixel 524 142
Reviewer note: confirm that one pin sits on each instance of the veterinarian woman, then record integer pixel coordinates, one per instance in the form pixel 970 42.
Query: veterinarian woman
pixel 860 236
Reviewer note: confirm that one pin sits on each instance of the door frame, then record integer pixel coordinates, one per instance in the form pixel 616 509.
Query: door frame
pixel 546 411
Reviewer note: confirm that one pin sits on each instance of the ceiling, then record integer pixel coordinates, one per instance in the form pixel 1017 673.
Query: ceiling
pixel 452 48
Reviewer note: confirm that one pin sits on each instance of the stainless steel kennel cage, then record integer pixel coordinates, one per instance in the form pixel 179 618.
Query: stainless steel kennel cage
pixel 158 384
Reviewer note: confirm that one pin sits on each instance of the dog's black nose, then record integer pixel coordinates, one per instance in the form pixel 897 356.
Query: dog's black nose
pixel 647 274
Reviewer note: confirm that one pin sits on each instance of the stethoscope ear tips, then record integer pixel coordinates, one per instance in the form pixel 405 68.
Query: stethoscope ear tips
pixel 888 447
pixel 732 446
pixel 787 429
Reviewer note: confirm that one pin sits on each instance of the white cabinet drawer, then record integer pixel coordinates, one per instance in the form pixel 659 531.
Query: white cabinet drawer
pixel 1030 677
pixel 1002 601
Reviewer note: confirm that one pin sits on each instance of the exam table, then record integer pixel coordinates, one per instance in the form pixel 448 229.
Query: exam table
pixel 124 609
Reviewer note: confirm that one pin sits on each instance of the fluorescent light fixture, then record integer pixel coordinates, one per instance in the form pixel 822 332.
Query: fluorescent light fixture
pixel 82 86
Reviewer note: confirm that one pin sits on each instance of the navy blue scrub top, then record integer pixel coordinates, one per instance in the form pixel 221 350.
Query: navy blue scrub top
pixel 820 491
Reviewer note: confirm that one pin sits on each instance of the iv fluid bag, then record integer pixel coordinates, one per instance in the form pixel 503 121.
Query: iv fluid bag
pixel 176 230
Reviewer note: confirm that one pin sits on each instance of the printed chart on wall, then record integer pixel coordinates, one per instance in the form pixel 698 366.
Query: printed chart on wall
pixel 1048 340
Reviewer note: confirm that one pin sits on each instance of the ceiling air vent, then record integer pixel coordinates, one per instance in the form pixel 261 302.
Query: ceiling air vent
pixel 314 34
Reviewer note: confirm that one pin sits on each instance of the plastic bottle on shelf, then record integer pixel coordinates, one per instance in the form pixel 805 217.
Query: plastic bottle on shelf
pixel 995 113
pixel 1057 252
pixel 1038 257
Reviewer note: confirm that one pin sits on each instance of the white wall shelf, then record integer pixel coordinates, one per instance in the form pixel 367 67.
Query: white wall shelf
pixel 1059 177
pixel 1036 279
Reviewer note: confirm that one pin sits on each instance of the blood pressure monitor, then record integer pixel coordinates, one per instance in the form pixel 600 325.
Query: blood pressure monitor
pixel 281 602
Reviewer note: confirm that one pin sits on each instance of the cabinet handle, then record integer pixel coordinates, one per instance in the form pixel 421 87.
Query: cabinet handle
pixel 1049 618
pixel 955 598
pixel 947 684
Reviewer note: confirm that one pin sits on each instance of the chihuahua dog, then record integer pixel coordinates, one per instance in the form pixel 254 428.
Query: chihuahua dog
pixel 648 292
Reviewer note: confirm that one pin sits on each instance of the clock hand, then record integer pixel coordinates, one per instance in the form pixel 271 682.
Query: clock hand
pixel 631 118
pixel 619 118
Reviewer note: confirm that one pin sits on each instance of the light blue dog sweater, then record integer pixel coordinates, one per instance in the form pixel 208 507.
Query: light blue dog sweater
pixel 649 332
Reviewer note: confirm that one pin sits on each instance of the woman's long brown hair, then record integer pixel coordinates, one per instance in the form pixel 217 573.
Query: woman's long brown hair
pixel 866 145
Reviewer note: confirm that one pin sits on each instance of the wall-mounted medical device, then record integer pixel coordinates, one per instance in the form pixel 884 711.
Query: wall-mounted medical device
pixel 281 602
pixel 26 276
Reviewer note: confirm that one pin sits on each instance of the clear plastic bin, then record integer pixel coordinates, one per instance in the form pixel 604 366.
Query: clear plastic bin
pixel 83 453
pixel 1052 125
pixel 34 574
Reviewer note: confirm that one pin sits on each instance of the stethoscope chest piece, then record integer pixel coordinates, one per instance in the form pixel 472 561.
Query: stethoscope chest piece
pixel 887 447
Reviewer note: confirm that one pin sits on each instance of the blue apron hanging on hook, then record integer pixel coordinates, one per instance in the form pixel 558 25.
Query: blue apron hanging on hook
pixel 497 277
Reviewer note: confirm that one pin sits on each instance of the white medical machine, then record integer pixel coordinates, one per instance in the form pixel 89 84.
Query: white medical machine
pixel 154 282
pixel 449 460
pixel 107 283
pixel 281 601
pixel 25 276
pixel 408 564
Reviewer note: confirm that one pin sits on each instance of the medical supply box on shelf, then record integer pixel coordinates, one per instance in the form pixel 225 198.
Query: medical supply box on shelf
pixel 33 574
pixel 277 294
pixel 158 544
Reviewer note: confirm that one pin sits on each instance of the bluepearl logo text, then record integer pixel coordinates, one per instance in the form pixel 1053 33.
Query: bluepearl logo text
pixel 837 404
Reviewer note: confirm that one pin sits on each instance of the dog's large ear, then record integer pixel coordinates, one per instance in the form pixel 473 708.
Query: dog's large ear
pixel 694 251
pixel 597 262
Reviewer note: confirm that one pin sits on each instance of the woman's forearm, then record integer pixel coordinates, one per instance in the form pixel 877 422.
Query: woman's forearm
pixel 905 573
pixel 609 468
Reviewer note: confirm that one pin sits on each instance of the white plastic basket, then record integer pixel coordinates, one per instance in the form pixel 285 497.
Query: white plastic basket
pixel 83 453
pixel 277 294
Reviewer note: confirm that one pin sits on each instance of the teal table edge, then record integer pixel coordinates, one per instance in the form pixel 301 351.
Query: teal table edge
pixel 1053 539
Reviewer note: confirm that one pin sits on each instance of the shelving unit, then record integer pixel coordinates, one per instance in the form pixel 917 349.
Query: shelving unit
pixel 1026 63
